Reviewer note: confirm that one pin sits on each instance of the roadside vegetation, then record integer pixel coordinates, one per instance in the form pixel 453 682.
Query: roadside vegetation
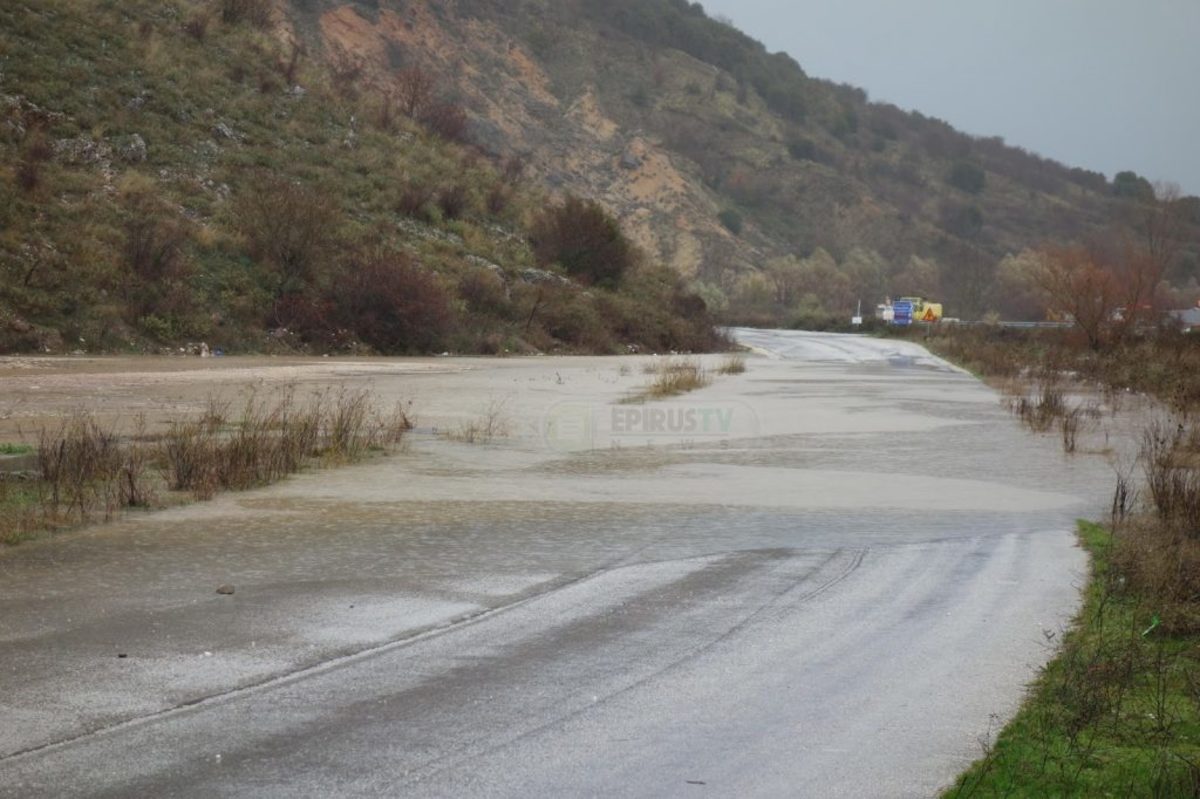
pixel 86 472
pixel 1117 713
pixel 1162 363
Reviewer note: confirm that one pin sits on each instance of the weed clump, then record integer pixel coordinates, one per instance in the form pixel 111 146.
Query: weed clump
pixel 85 471
pixel 271 440
pixel 252 12
pixel 679 377
pixel 672 377
pixel 492 423
pixel 733 365
pixel 1043 409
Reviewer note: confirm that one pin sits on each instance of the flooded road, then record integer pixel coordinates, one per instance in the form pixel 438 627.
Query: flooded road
pixel 828 576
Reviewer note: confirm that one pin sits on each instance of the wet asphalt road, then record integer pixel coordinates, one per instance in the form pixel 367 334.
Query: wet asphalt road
pixel 836 593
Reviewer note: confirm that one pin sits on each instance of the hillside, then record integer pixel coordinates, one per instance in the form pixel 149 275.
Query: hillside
pixel 181 172
pixel 397 175
pixel 720 158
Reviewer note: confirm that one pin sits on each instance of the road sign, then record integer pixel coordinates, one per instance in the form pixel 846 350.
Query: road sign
pixel 903 310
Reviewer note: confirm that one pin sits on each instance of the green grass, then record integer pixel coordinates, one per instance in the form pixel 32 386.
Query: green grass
pixel 15 449
pixel 1117 713
pixel 18 505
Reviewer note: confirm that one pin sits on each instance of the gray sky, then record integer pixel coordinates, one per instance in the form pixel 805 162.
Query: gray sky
pixel 1102 84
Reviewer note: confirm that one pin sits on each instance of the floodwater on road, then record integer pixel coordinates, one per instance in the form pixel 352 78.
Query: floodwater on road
pixel 829 576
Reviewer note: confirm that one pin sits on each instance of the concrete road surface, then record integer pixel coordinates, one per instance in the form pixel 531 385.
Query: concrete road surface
pixel 830 576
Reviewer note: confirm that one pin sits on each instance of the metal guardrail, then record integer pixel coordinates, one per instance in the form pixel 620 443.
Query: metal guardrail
pixel 1017 325
pixel 1038 325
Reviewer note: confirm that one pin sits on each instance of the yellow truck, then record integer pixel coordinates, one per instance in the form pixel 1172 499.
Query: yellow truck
pixel 923 310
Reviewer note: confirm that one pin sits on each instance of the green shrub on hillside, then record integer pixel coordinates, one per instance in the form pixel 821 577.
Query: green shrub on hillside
pixel 967 177
pixel 732 221
pixel 585 240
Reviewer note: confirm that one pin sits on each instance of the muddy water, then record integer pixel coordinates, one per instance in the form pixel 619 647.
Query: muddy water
pixel 905 519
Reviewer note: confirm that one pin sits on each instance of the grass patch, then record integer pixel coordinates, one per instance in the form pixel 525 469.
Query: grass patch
pixel 15 449
pixel 86 472
pixel 18 511
pixel 493 422
pixel 1117 713
pixel 733 365
pixel 672 377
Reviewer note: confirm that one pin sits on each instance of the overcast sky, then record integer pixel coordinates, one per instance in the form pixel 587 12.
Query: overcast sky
pixel 1102 84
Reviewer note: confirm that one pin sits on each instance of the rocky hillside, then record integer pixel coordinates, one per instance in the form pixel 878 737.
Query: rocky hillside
pixel 404 175
pixel 721 159
pixel 219 171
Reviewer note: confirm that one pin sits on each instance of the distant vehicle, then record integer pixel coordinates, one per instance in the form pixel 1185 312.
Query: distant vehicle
pixel 923 310
pixel 909 310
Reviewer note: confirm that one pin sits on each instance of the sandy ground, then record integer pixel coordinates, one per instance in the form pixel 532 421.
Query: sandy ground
pixel 829 576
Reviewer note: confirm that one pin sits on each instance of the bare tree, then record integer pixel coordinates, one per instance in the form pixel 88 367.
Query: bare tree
pixel 1160 226
pixel 1077 285
pixel 416 90
pixel 786 276
pixel 448 120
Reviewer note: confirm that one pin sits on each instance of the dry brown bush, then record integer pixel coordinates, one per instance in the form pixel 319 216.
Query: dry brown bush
pixel 1162 563
pixel 454 200
pixel 447 120
pixel 733 365
pixel 197 24
pixel 392 303
pixel 493 422
pixel 414 200
pixel 272 438
pixel 484 292
pixel 87 470
pixel 153 251
pixel 499 198
pixel 292 228
pixel 251 12
pixel 415 89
